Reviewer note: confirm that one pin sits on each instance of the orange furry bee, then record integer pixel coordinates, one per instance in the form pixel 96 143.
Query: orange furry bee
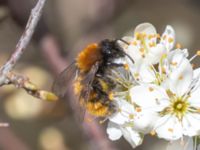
pixel 90 83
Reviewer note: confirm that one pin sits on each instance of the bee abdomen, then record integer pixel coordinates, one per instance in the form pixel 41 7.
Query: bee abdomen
pixel 97 109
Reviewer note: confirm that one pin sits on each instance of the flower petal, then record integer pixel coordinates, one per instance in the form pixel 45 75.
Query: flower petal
pixel 150 100
pixel 191 123
pixel 144 73
pixel 155 54
pixel 125 110
pixel 168 38
pixel 114 132
pixel 147 28
pixel 134 53
pixel 181 73
pixel 149 96
pixel 168 127
pixel 133 137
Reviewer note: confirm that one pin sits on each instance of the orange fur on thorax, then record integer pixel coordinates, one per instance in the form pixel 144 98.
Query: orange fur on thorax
pixel 88 57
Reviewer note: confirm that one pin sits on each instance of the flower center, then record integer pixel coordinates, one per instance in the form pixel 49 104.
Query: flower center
pixel 179 107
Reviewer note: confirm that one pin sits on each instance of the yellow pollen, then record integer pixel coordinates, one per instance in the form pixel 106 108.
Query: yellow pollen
pixel 158 36
pixel 153 133
pixel 170 40
pixel 143 34
pixel 170 130
pixel 180 77
pixel 138 109
pixel 173 63
pixel 178 46
pixel 151 89
pixel 137 35
pixel 111 96
pixel 134 43
pixel 150 36
pixel 164 37
pixel 142 50
pixel 131 116
pixel 126 67
pixel 179 106
pixel 163 70
pixel 153 44
pixel 119 110
pixel 198 52
pixel 136 74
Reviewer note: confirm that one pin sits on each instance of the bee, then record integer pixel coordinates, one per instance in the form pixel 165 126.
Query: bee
pixel 90 82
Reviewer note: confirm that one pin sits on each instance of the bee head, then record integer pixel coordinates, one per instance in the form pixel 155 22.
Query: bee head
pixel 110 49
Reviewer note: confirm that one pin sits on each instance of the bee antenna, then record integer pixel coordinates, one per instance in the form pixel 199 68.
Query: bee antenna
pixel 122 40
pixel 128 56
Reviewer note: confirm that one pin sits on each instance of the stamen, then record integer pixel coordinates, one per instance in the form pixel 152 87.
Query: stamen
pixel 198 52
pixel 134 43
pixel 164 37
pixel 131 116
pixel 151 89
pixel 150 36
pixel 173 63
pixel 111 96
pixel 142 50
pixel 153 133
pixel 138 109
pixel 178 46
pixel 180 77
pixel 153 44
pixel 170 130
pixel 158 36
pixel 126 66
pixel 170 40
pixel 193 57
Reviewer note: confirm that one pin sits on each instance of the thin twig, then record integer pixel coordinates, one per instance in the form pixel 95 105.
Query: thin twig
pixel 23 42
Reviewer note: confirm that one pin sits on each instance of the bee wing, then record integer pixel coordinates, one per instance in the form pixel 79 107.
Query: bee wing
pixel 63 87
pixel 63 84
pixel 88 80
pixel 64 80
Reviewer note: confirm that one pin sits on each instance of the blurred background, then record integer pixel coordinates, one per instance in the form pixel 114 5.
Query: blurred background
pixel 65 28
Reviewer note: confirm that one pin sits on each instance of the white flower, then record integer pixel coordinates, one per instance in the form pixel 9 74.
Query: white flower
pixel 121 124
pixel 170 65
pixel 178 106
pixel 144 46
pixel 116 131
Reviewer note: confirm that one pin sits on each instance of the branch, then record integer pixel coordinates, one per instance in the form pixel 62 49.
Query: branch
pixel 6 74
pixel 23 42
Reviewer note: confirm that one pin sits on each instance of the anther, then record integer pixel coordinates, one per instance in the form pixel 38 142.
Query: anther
pixel 178 46
pixel 170 40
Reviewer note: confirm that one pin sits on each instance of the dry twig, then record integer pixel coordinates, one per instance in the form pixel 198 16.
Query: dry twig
pixel 8 77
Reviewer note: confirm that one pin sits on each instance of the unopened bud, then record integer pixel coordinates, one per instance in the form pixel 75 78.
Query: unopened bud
pixel 30 86
pixel 45 95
